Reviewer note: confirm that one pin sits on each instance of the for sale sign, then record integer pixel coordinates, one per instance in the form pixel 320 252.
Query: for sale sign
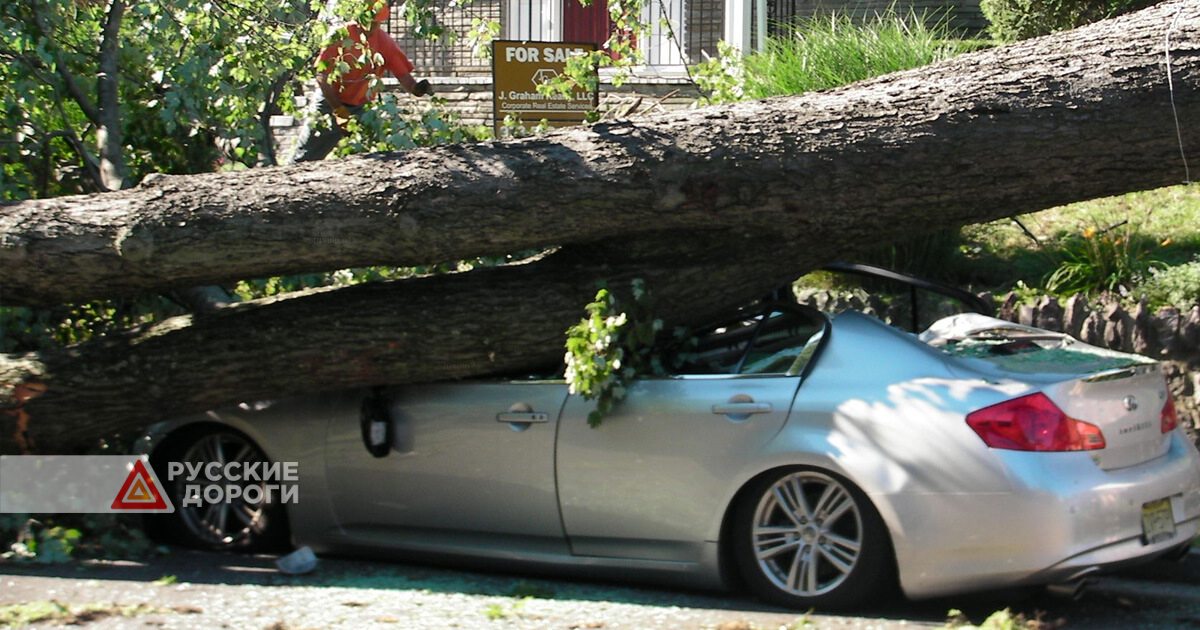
pixel 518 68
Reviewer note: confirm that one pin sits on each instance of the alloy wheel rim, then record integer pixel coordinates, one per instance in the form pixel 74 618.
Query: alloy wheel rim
pixel 231 521
pixel 807 534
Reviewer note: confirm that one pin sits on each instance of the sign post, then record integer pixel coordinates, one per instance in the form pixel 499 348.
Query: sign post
pixel 519 67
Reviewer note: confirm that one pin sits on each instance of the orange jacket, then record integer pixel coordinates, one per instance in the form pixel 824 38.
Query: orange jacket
pixel 353 86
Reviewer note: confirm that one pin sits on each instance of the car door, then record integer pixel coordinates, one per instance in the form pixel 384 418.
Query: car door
pixel 651 481
pixel 471 464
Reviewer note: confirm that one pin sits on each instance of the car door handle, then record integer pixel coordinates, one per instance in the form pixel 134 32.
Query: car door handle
pixel 522 416
pixel 741 408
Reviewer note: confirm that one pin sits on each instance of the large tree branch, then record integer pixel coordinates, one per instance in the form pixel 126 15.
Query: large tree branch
pixel 1069 117
pixel 498 320
pixel 709 207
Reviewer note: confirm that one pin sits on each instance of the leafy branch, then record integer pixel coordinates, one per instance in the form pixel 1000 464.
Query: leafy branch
pixel 614 345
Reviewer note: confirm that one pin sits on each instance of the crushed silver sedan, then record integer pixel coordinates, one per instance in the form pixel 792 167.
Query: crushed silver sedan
pixel 819 460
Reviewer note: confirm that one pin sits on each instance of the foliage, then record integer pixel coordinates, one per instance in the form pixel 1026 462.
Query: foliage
pixel 29 329
pixel 1178 285
pixel 823 53
pixel 721 78
pixel 998 253
pixel 1012 20
pixel 513 127
pixel 498 612
pixel 594 356
pixel 194 83
pixel 59 538
pixel 826 52
pixel 267 287
pixel 999 620
pixel 1110 259
pixel 611 347
pixel 388 125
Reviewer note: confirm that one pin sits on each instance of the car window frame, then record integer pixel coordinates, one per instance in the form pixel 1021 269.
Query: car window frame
pixel 809 352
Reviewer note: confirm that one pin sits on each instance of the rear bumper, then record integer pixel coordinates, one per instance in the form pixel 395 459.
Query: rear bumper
pixel 1063 518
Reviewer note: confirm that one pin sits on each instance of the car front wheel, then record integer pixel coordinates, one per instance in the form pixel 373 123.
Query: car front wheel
pixel 809 539
pixel 246 517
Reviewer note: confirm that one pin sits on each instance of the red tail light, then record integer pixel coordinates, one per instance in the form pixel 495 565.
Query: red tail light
pixel 1170 417
pixel 1034 423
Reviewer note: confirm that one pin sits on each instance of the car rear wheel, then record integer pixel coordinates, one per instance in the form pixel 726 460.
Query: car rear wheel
pixel 809 539
pixel 248 516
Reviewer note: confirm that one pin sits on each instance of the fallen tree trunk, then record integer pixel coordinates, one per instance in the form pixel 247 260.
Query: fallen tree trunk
pixel 710 207
pixel 1044 122
pixel 501 320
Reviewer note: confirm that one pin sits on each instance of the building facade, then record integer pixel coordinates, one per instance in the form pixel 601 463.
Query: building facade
pixel 683 33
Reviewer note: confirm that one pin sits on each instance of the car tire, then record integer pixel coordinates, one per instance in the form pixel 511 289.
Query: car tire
pixel 806 538
pixel 237 525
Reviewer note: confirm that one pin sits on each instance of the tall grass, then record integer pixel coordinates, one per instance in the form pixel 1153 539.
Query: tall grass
pixel 833 50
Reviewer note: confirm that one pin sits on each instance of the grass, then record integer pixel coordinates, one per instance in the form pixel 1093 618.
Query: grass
pixel 1156 229
pixel 829 51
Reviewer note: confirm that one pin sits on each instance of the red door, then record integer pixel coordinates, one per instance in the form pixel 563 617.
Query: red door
pixel 586 24
pixel 590 24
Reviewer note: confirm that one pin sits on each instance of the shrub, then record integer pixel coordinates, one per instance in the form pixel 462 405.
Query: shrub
pixel 1111 259
pixel 1013 20
pixel 1174 286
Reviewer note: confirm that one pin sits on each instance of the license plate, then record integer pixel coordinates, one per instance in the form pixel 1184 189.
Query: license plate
pixel 1158 521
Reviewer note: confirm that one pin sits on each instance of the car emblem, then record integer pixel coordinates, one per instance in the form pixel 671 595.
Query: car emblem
pixel 1131 403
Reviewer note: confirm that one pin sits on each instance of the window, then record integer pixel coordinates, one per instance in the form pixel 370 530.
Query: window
pixel 570 21
pixel 774 341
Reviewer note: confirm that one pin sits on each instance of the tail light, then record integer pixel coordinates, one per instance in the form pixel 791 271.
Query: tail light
pixel 1170 417
pixel 1034 423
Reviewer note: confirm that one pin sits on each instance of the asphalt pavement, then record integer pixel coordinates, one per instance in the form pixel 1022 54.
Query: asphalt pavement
pixel 193 590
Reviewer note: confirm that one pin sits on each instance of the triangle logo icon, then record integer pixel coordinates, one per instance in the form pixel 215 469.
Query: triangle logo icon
pixel 139 492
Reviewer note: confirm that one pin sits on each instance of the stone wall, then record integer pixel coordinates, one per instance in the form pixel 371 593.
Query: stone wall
pixel 1169 334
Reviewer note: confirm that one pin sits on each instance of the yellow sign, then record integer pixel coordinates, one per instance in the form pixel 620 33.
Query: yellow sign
pixel 519 67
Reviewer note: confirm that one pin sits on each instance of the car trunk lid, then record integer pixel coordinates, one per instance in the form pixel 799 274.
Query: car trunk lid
pixel 1127 404
pixel 1124 395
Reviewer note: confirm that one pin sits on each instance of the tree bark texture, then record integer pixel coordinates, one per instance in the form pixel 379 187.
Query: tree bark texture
pixel 1075 116
pixel 710 206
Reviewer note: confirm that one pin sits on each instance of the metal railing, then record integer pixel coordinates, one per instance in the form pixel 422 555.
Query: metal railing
pixel 451 54
pixel 699 22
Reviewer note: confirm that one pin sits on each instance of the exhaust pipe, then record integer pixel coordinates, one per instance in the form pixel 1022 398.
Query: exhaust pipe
pixel 1073 587
pixel 1072 591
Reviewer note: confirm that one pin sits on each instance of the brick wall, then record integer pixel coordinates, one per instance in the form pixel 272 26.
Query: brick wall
pixel 471 99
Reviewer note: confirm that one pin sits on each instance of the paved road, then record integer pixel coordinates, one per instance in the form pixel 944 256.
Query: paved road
pixel 194 590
